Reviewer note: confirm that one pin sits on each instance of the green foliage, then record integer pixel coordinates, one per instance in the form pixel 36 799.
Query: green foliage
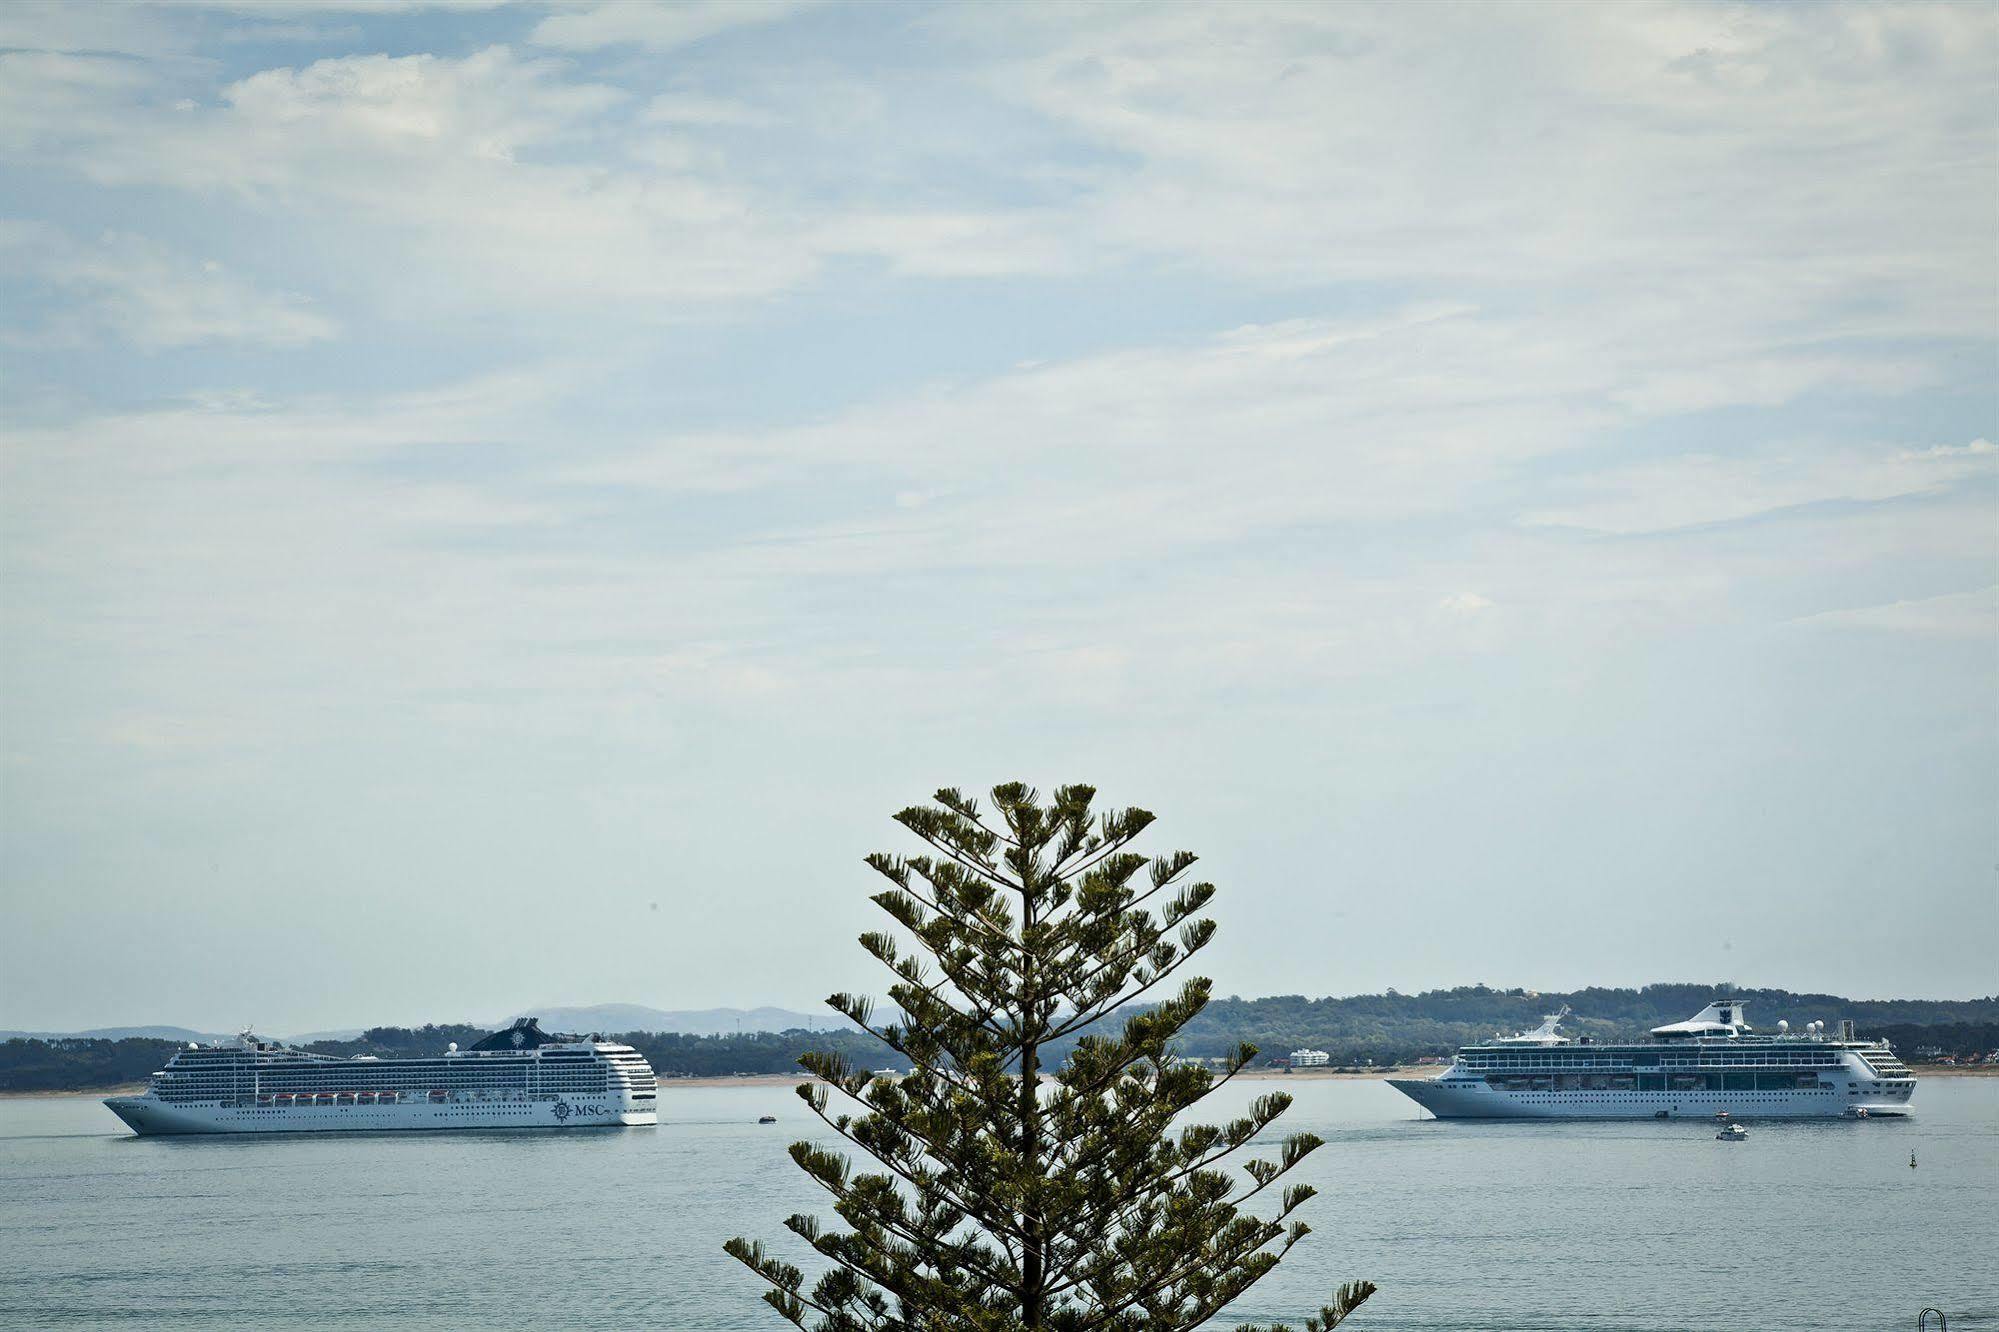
pixel 994 1201
pixel 675 1055
pixel 401 1042
pixel 1352 1029
pixel 80 1063
pixel 1394 1028
pixel 671 1054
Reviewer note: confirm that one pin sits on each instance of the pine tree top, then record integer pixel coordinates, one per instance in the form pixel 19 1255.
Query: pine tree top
pixel 1001 1194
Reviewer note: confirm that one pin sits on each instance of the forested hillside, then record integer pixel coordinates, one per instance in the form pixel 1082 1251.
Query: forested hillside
pixel 1382 1028
pixel 1392 1027
pixel 672 1054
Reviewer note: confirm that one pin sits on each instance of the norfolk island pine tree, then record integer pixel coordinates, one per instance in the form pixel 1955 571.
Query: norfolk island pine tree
pixel 996 1203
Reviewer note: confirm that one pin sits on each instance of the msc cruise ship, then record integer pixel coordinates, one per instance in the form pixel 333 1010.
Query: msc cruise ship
pixel 522 1077
pixel 1710 1064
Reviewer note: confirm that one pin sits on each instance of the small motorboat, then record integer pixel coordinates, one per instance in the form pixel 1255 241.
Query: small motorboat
pixel 766 1119
pixel 1733 1133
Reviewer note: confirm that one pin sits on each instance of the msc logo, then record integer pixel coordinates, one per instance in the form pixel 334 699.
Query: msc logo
pixel 562 1111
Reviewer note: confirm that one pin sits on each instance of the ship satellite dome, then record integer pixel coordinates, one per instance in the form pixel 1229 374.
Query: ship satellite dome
pixel 453 1047
pixel 1783 1025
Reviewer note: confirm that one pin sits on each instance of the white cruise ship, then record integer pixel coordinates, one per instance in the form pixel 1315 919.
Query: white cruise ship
pixel 1710 1064
pixel 522 1077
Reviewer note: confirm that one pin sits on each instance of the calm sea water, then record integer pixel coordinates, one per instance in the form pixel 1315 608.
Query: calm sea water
pixel 1515 1227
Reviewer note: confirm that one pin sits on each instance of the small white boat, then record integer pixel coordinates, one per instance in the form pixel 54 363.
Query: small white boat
pixel 1733 1133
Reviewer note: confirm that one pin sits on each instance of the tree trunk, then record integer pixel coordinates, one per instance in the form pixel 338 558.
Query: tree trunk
pixel 1033 1265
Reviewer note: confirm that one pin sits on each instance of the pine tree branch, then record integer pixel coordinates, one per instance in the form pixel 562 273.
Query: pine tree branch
pixel 1203 1259
pixel 1129 996
pixel 788 1294
pixel 1100 1225
pixel 983 1215
pixel 999 936
pixel 969 860
pixel 959 1252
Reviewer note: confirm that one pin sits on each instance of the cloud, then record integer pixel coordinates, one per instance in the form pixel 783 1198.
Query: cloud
pixel 1582 231
pixel 1972 616
pixel 47 26
pixel 683 108
pixel 1713 163
pixel 140 291
pixel 1742 188
pixel 488 177
pixel 658 27
pixel 1295 421
pixel 1409 413
pixel 953 244
pixel 291 32
pixel 345 6
pixel 1695 489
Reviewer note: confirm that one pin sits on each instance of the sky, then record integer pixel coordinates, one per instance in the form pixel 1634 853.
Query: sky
pixel 499 505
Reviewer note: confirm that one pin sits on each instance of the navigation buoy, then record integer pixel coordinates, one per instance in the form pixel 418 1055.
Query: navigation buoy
pixel 1912 1160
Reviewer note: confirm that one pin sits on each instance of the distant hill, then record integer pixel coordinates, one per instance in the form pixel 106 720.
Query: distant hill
pixel 1391 1026
pixel 1385 1029
pixel 182 1034
pixel 685 1021
pixel 554 1017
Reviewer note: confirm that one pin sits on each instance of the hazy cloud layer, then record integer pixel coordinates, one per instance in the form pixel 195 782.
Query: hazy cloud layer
pixel 1490 483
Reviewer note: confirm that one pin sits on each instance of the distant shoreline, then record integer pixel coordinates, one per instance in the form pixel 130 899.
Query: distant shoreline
pixel 1248 1074
pixel 122 1089
pixel 1276 1075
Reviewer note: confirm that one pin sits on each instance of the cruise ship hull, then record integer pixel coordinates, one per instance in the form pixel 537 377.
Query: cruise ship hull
pixel 1481 1101
pixel 1711 1064
pixel 147 1115
pixel 519 1077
